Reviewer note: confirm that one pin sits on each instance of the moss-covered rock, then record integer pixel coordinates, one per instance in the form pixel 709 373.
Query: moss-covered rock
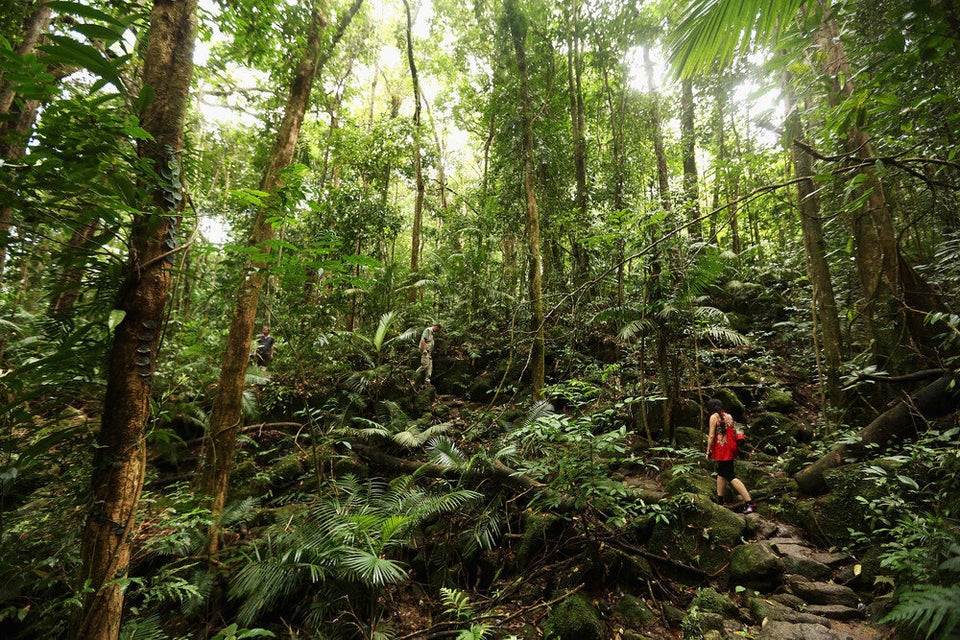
pixel 755 565
pixel 779 400
pixel 772 431
pixel 574 619
pixel 709 599
pixel 287 469
pixel 635 612
pixel 731 404
pixel 537 529
pixel 621 567
pixel 703 535
pixel 697 624
pixel 691 438
pixel 843 507
pixel 691 482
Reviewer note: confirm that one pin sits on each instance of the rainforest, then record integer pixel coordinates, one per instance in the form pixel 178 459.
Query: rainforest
pixel 479 320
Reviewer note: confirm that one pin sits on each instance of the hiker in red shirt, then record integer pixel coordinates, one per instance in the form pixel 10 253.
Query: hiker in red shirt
pixel 722 445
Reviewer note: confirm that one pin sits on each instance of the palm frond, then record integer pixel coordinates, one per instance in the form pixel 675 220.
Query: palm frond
pixel 445 453
pixel 143 628
pixel 386 320
pixel 371 569
pixel 634 328
pixel 724 335
pixel 536 411
pixel 712 32
pixel 238 511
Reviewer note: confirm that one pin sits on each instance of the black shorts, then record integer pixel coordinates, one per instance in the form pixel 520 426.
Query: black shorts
pixel 725 470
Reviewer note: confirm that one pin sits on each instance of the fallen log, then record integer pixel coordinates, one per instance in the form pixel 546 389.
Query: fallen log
pixel 939 398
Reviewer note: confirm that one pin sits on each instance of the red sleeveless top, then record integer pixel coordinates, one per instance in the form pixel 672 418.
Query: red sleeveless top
pixel 725 439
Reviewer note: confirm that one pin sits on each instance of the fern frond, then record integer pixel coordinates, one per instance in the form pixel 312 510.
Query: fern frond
pixel 929 608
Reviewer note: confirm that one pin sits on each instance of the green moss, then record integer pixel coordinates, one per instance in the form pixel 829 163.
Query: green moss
pixel 703 536
pixel 536 528
pixel 635 612
pixel 287 469
pixel 692 482
pixel 709 599
pixel 574 619
pixel 778 400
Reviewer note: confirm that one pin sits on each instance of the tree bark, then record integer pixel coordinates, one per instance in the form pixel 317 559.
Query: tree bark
pixel 417 162
pixel 875 249
pixel 939 398
pixel 518 32
pixel 226 414
pixel 120 458
pixel 818 270
pixel 14 133
pixel 691 183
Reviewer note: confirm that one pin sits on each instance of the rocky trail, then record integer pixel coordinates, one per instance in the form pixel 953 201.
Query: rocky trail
pixel 764 579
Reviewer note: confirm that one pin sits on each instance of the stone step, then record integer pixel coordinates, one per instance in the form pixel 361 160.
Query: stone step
pixel 822 593
pixel 836 611
pixel 779 630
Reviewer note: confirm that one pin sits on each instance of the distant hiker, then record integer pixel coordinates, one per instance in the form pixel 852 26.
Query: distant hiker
pixel 722 443
pixel 263 356
pixel 426 352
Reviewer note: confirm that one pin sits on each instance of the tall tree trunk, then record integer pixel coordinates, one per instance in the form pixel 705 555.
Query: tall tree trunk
pixel 811 226
pixel 663 174
pixel 575 89
pixel 120 458
pixel 68 288
pixel 518 32
pixel 417 163
pixel 14 132
pixel 226 413
pixel 691 184
pixel 616 106
pixel 875 249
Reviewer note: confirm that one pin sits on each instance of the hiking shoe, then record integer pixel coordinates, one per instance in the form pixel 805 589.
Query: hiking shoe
pixel 750 508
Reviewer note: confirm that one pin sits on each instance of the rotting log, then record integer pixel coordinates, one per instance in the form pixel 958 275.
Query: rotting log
pixel 909 417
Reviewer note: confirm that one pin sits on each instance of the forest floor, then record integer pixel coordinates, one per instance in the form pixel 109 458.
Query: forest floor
pixel 807 600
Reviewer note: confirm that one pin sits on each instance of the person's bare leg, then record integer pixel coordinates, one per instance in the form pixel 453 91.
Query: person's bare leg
pixel 721 488
pixel 741 490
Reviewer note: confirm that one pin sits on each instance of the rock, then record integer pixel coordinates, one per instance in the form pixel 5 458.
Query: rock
pixel 711 600
pixel 797 559
pixel 635 612
pixel 822 592
pixel 755 565
pixel 763 609
pixel 574 619
pixel 789 600
pixel 778 400
pixel 796 548
pixel 778 630
pixel 836 611
pixel 703 536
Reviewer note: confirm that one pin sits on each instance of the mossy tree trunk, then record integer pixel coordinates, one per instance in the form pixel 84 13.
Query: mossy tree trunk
pixel 518 33
pixel 120 458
